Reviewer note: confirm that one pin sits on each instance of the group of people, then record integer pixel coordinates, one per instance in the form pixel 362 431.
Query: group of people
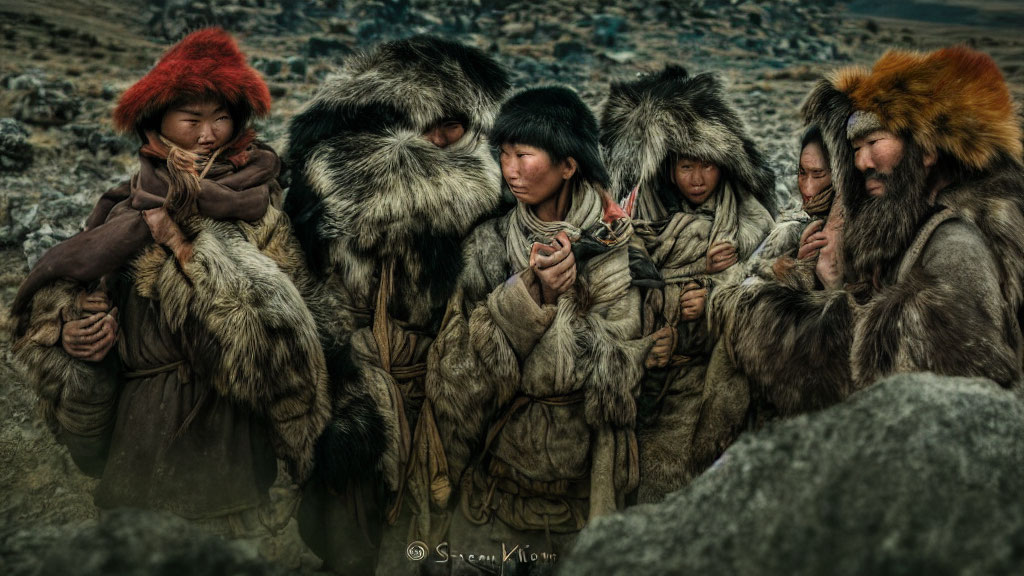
pixel 478 320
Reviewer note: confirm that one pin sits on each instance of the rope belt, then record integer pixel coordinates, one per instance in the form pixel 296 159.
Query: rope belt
pixel 146 373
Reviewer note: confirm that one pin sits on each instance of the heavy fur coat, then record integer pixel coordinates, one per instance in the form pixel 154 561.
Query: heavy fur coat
pixel 241 326
pixel 535 404
pixel 374 201
pixel 953 305
pixel 691 407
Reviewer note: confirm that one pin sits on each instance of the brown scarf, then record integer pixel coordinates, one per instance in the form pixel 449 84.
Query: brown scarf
pixel 819 204
pixel 234 188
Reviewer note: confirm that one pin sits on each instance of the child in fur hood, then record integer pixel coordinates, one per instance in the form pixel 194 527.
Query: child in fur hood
pixel 168 343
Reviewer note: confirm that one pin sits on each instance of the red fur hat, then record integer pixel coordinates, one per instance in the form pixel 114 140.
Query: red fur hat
pixel 954 99
pixel 205 63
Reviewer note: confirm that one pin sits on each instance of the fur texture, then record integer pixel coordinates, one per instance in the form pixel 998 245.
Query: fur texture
pixel 953 100
pixel 498 345
pixel 554 119
pixel 247 329
pixel 370 190
pixel 73 395
pixel 646 120
pixel 793 345
pixel 205 63
pixel 946 314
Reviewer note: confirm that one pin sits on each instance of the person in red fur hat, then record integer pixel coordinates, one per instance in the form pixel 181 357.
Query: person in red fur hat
pixel 168 342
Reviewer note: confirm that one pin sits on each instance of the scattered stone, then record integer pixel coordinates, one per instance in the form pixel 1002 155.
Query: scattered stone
pixel 318 47
pixel 15 150
pixel 917 472
pixel 297 66
pixel 571 50
pixel 43 102
pixel 607 30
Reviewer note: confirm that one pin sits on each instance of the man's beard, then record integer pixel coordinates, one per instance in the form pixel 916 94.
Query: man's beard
pixel 879 230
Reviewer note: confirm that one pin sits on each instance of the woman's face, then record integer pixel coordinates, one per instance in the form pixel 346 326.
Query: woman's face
pixel 530 173
pixel 814 175
pixel 696 179
pixel 199 126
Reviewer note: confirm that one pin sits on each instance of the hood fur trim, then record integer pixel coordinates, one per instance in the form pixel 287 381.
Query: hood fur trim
pixel 643 121
pixel 422 79
pixel 205 63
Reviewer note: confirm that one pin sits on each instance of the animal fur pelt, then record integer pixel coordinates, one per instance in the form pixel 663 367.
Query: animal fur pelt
pixel 206 63
pixel 369 190
pixel 792 344
pixel 952 100
pixel 246 327
pixel 643 121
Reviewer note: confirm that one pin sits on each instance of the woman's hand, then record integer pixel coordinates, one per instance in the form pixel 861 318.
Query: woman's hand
pixel 166 232
pixel 721 256
pixel 90 338
pixel 812 240
pixel 555 267
pixel 664 343
pixel 692 301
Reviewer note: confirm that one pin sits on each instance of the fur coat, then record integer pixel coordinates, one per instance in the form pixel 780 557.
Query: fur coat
pixel 535 403
pixel 233 325
pixel 689 408
pixel 381 213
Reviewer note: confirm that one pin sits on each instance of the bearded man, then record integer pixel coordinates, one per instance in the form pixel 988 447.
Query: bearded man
pixel 927 158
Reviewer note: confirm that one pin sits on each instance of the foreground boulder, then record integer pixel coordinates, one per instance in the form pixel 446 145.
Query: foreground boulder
pixel 919 474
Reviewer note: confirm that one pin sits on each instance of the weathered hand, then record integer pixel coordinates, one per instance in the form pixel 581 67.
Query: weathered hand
pixel 95 301
pixel 166 232
pixel 692 301
pixel 829 267
pixel 812 240
pixel 90 338
pixel 721 256
pixel 555 270
pixel 664 343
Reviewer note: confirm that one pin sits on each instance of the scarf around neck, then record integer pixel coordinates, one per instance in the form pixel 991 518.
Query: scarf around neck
pixel 115 230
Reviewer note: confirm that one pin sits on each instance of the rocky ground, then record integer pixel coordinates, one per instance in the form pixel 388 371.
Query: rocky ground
pixel 66 61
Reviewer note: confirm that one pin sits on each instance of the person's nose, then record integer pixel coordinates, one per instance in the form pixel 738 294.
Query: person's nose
pixel 697 177
pixel 862 159
pixel 509 169
pixel 206 135
pixel 437 137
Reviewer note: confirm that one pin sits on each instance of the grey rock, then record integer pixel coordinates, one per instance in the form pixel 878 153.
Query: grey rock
pixel 918 474
pixel 607 30
pixel 571 50
pixel 297 66
pixel 136 542
pixel 15 150
pixel 318 47
pixel 43 102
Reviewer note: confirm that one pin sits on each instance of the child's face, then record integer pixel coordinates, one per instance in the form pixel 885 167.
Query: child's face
pixel 199 126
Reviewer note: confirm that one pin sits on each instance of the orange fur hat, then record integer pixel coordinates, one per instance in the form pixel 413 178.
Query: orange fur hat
pixel 953 100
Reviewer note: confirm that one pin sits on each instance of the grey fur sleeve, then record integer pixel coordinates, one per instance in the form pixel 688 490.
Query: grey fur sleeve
pixel 248 332
pixel 615 362
pixel 792 345
pixel 947 316
pixel 74 396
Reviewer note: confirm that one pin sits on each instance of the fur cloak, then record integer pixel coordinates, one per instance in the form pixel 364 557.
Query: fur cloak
pixel 243 326
pixel 691 408
pixel 373 201
pixel 542 394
